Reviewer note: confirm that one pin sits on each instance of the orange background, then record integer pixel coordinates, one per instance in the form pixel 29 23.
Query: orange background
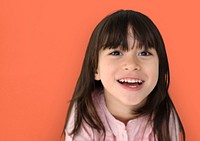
pixel 42 44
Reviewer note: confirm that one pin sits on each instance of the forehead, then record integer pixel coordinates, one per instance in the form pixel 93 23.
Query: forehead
pixel 131 41
pixel 126 41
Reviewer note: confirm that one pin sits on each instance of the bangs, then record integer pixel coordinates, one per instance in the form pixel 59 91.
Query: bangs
pixel 115 31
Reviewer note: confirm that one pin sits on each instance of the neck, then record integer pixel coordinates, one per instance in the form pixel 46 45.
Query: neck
pixel 120 111
pixel 122 118
pixel 123 113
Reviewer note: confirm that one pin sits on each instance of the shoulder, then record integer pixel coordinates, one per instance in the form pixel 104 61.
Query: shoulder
pixel 85 133
pixel 174 130
pixel 99 103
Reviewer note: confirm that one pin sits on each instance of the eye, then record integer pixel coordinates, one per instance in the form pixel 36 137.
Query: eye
pixel 115 53
pixel 144 53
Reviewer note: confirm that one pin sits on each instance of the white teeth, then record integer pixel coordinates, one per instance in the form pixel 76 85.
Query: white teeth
pixel 130 80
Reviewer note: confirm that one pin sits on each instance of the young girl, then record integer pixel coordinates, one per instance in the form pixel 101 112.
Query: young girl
pixel 122 91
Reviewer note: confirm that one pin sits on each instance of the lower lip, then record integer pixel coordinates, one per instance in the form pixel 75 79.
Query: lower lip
pixel 134 88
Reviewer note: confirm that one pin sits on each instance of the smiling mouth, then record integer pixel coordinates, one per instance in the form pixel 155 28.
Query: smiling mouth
pixel 131 82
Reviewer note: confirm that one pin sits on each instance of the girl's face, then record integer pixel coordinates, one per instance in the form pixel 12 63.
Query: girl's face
pixel 128 77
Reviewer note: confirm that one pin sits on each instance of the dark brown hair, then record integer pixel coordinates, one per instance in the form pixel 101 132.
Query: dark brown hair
pixel 110 33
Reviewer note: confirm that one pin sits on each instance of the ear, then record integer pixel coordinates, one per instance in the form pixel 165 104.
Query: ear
pixel 97 75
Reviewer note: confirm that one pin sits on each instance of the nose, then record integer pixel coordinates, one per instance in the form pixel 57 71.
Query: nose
pixel 131 64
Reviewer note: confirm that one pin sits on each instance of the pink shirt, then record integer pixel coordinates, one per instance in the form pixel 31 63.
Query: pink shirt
pixel 135 130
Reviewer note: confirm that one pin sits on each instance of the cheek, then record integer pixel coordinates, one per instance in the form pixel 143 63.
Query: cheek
pixel 107 70
pixel 107 65
pixel 152 70
pixel 155 73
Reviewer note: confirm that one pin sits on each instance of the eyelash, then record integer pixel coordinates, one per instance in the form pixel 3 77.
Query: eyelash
pixel 147 53
pixel 119 53
pixel 115 53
